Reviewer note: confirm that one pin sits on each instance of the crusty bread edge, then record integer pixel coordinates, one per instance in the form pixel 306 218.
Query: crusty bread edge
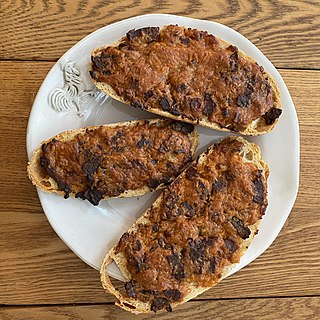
pixel 256 127
pixel 135 306
pixel 34 170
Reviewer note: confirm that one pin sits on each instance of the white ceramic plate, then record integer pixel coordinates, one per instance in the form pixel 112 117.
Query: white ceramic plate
pixel 67 99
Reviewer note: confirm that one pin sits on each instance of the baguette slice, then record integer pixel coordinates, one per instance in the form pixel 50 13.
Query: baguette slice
pixel 188 75
pixel 115 160
pixel 195 232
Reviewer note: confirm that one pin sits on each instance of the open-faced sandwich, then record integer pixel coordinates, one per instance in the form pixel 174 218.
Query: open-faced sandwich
pixel 114 160
pixel 195 232
pixel 188 75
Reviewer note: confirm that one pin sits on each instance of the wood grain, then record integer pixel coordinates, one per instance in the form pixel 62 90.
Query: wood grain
pixel 260 309
pixel 36 267
pixel 286 31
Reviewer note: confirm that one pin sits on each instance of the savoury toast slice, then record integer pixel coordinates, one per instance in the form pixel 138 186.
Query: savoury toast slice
pixel 115 160
pixel 188 75
pixel 195 232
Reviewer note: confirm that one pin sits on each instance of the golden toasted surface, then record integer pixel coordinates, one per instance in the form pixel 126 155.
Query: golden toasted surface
pixel 189 74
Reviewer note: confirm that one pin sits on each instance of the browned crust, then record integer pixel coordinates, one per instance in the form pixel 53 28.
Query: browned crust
pixel 255 128
pixel 49 185
pixel 136 306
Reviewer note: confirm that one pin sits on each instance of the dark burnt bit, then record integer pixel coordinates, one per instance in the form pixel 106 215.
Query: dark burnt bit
pixel 92 195
pixel 165 104
pixel 44 147
pixel 161 242
pixel 182 127
pixel 229 175
pixel 153 183
pixel 182 87
pixel 218 185
pixel 135 263
pixel 233 58
pixel 151 33
pixel 258 185
pixel 64 187
pixel 150 292
pixel 210 241
pixel 147 95
pixel 139 105
pixel 123 44
pixel 137 245
pixel 192 173
pixel 137 164
pixel 202 188
pixel 177 266
pixel 196 253
pixel 160 303
pixel 90 167
pixel 271 116
pixel 214 216
pixel 44 162
pixel 179 151
pixel 163 148
pixel 195 103
pixel 209 105
pixel 231 245
pixel 130 289
pixel 212 265
pixel 172 294
pixel 143 143
pixel 243 231
pixel 187 209
pixel 97 62
pixel 124 239
pixel 115 139
pixel 156 228
pixel 171 200
pixel 185 41
pixel 244 100
pixel 93 74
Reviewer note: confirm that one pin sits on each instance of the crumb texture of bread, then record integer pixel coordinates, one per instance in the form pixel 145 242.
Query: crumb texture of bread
pixel 116 160
pixel 191 76
pixel 195 232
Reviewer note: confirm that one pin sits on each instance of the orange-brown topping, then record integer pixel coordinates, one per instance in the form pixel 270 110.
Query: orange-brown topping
pixel 197 229
pixel 104 162
pixel 187 73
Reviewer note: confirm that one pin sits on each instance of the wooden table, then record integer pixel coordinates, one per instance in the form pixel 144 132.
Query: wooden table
pixel 40 278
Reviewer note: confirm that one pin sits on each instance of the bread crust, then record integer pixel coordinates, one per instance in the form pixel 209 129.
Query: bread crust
pixel 256 127
pixel 49 185
pixel 251 153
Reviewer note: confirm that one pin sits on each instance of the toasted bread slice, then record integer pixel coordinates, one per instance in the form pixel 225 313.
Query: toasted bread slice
pixel 194 234
pixel 115 160
pixel 188 75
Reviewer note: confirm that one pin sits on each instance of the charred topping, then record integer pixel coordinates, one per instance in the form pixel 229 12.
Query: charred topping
pixel 197 229
pixel 187 73
pixel 271 116
pixel 100 163
pixel 150 33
